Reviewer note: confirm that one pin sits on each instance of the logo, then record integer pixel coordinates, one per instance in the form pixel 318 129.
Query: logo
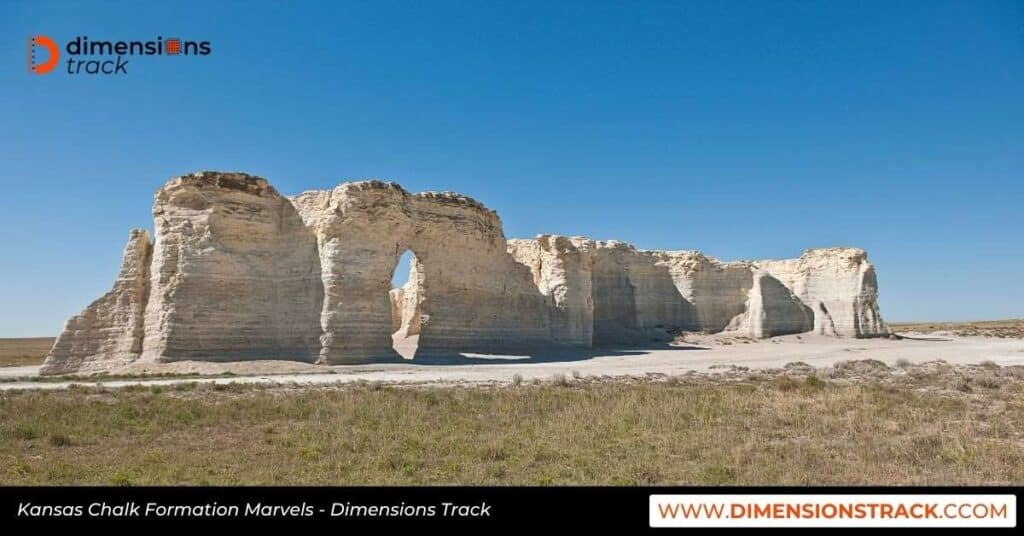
pixel 100 57
pixel 50 51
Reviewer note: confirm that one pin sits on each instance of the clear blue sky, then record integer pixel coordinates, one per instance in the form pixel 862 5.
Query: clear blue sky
pixel 743 129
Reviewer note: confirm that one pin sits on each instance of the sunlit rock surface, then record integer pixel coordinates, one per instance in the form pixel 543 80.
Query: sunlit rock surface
pixel 239 272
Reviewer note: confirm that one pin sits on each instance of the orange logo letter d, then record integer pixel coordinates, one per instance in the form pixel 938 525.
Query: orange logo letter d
pixel 52 54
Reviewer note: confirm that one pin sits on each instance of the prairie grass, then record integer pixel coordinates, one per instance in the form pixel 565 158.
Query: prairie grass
pixel 760 430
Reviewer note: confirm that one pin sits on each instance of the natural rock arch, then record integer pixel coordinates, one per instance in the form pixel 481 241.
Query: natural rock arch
pixel 474 296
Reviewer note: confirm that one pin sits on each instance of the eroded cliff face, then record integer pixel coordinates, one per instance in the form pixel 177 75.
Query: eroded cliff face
pixel 109 332
pixel 238 271
pixel 639 296
pixel 771 309
pixel 235 274
pixel 715 291
pixel 840 287
pixel 562 270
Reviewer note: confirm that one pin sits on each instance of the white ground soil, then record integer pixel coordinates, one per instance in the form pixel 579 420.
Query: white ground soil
pixel 697 353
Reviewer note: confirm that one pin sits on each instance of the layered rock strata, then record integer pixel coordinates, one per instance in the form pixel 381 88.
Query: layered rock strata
pixel 109 332
pixel 237 272
pixel 639 295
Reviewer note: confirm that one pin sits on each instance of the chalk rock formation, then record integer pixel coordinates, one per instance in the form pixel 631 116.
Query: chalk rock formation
pixel 238 271
pixel 235 274
pixel 715 291
pixel 397 306
pixel 561 269
pixel 110 330
pixel 840 287
pixel 640 296
pixel 771 309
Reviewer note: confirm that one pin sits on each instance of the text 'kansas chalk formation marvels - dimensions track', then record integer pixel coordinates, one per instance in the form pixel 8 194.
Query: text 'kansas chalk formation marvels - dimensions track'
pixel 239 272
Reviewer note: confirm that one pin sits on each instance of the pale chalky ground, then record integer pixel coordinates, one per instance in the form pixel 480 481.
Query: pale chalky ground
pixel 706 354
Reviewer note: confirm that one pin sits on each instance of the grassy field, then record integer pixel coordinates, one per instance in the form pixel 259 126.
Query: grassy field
pixel 854 424
pixel 1013 328
pixel 19 352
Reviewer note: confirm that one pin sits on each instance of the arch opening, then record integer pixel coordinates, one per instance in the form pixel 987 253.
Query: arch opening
pixel 406 297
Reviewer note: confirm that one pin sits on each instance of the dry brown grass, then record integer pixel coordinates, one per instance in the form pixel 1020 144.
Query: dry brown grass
pixel 932 424
pixel 1007 329
pixel 19 352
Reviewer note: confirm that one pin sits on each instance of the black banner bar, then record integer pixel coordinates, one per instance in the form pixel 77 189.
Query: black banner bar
pixel 449 508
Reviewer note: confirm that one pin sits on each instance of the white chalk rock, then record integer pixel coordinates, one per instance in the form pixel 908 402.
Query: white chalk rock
pixel 109 332
pixel 239 272
pixel 840 287
pixel 771 309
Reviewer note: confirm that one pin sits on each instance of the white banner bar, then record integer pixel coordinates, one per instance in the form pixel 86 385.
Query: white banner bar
pixel 833 510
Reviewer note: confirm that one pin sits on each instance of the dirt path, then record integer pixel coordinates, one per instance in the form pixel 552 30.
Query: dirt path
pixel 699 354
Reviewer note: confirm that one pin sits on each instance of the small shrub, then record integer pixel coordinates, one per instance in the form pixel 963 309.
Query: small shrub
pixel 814 383
pixel 785 383
pixel 26 432
pixel 717 475
pixel 988 382
pixel 831 373
pixel 903 363
pixel 60 440
pixel 646 474
pixel 494 452
pixel 186 386
pixel 121 478
pixel 309 453
pixel 517 379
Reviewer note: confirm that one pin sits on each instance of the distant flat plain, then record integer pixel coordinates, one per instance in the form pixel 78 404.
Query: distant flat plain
pixel 21 352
